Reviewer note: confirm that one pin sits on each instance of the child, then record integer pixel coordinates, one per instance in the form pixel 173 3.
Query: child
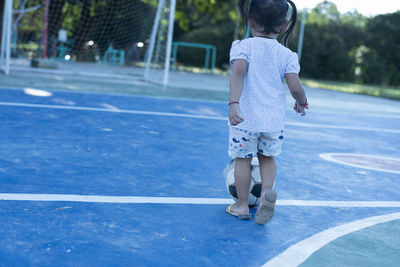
pixel 257 98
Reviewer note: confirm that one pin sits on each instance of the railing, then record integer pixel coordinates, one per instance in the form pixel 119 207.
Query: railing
pixel 211 51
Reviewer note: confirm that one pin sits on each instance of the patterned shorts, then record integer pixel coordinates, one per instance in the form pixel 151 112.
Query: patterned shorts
pixel 245 144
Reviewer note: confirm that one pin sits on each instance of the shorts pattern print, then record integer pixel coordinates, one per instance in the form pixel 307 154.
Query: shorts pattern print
pixel 245 144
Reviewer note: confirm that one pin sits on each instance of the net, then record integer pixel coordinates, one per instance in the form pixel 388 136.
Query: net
pixel 83 34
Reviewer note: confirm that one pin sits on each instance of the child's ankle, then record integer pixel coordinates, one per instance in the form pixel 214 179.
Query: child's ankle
pixel 263 191
pixel 243 206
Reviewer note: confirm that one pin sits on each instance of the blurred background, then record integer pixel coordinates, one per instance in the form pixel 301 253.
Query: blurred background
pixel 344 42
pixel 339 46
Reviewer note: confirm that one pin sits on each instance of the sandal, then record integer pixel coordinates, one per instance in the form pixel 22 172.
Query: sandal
pixel 242 216
pixel 266 210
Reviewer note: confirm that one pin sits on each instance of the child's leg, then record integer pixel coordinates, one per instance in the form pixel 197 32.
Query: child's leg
pixel 267 171
pixel 268 196
pixel 242 147
pixel 242 182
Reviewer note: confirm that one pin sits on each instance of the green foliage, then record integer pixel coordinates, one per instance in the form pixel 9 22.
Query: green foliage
pixel 205 21
pixel 324 13
pixel 383 38
pixel 368 68
pixel 373 90
pixel 343 47
pixel 103 21
pixel 203 13
pixel 351 47
pixel 220 37
pixel 354 18
pixel 326 56
pixel 32 25
pixel 329 39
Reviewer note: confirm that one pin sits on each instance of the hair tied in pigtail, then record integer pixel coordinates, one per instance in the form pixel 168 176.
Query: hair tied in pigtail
pixel 289 12
pixel 244 10
pixel 291 16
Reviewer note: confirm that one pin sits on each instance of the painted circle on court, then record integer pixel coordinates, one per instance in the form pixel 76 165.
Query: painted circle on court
pixel 371 162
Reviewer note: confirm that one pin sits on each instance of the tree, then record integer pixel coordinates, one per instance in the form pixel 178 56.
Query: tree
pixel 329 43
pixel 55 19
pixel 324 13
pixel 368 68
pixel 206 21
pixel 383 38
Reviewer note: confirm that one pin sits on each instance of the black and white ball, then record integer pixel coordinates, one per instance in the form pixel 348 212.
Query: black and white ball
pixel 255 183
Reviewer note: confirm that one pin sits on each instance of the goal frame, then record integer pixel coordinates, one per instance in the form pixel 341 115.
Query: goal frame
pixel 5 51
pixel 170 34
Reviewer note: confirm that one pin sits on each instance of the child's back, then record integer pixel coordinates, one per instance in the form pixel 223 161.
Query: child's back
pixel 263 100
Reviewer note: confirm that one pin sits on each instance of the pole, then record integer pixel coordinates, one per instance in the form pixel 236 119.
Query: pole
pixel 213 59
pixel 169 41
pixel 150 50
pixel 45 30
pixel 248 32
pixel 14 37
pixel 301 35
pixel 174 55
pixel 6 36
pixel 3 33
pixel 207 61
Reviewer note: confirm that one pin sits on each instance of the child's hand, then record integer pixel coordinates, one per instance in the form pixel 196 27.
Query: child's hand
pixel 300 108
pixel 234 114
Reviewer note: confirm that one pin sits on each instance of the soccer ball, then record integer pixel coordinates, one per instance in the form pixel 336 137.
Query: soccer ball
pixel 255 183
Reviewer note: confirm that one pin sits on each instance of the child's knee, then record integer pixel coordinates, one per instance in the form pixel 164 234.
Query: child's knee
pixel 243 161
pixel 264 157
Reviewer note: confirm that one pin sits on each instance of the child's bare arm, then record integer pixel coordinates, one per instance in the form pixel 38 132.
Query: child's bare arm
pixel 297 91
pixel 239 69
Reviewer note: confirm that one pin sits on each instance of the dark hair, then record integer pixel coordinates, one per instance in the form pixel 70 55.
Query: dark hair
pixel 269 14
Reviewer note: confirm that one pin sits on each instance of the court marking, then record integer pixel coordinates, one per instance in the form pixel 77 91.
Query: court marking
pixel 330 157
pixel 36 92
pixel 114 110
pixel 191 116
pixel 299 252
pixel 363 114
pixel 78 73
pixel 44 93
pixel 326 126
pixel 172 200
pixel 183 200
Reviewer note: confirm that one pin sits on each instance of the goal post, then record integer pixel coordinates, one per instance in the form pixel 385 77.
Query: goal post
pixel 169 41
pixel 5 50
pixel 149 53
pixel 161 40
pixel 125 37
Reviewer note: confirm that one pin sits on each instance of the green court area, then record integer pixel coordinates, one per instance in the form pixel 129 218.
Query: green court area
pixel 378 245
pixel 373 90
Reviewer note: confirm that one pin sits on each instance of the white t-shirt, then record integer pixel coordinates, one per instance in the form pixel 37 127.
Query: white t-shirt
pixel 263 99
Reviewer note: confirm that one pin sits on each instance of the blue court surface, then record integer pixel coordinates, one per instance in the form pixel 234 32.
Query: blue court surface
pixel 90 179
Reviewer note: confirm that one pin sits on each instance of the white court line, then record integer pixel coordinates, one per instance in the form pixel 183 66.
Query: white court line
pixel 298 253
pixel 192 116
pixel 114 199
pixel 325 126
pixel 78 73
pixel 331 157
pixel 183 200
